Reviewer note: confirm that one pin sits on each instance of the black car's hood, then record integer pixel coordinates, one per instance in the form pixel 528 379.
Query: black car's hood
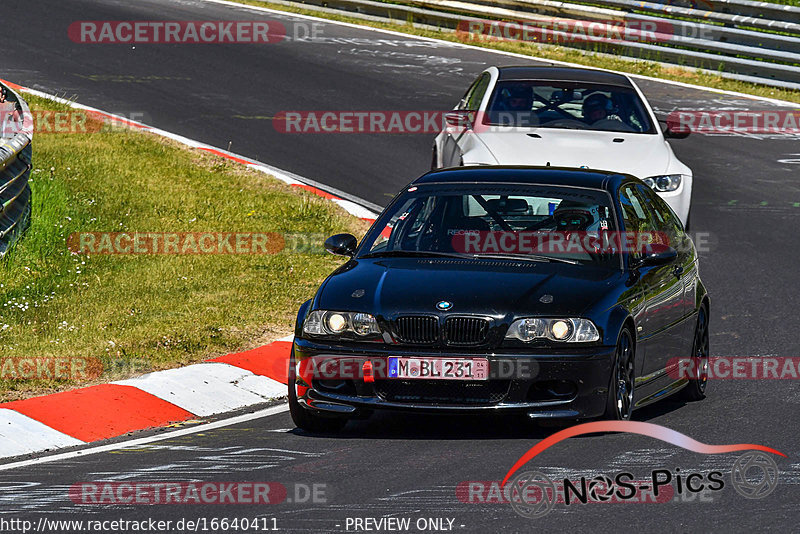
pixel 389 287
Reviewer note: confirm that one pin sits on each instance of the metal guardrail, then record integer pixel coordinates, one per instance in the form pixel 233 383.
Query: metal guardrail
pixel 15 169
pixel 772 17
pixel 749 8
pixel 745 55
pixel 621 10
pixel 688 43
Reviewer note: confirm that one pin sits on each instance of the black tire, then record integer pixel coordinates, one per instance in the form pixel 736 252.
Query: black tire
pixel 696 389
pixel 620 400
pixel 306 419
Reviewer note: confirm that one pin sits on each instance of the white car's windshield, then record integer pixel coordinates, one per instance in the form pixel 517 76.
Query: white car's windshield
pixel 568 105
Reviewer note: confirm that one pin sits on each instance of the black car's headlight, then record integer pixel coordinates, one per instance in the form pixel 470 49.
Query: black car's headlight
pixel 562 330
pixel 336 323
pixel 664 183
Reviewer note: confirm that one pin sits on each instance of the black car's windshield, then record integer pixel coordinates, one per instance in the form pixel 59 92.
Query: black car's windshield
pixel 525 222
pixel 568 105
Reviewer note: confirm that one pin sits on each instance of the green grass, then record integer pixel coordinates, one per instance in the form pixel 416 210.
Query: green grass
pixel 646 66
pixel 139 313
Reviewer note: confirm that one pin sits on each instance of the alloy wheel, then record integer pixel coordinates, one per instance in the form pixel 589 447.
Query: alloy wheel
pixel 623 377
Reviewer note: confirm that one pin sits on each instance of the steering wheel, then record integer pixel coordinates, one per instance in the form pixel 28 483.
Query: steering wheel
pixel 575 219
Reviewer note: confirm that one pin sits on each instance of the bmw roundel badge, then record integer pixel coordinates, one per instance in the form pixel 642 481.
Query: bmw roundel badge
pixel 444 305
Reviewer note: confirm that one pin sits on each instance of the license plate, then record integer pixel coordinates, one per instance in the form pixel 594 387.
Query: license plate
pixel 439 368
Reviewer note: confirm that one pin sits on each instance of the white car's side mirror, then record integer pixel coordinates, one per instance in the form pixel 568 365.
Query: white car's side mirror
pixel 458 119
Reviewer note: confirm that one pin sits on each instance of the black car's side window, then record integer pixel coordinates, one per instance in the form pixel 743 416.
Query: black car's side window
pixel 664 219
pixel 636 213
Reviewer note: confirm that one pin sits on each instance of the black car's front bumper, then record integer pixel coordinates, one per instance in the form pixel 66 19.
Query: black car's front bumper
pixel 548 384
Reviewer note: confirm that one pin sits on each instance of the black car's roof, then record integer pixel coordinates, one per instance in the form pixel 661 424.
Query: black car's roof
pixel 606 180
pixel 563 74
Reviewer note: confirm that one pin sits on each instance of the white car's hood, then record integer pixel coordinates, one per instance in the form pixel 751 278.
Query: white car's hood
pixel 641 155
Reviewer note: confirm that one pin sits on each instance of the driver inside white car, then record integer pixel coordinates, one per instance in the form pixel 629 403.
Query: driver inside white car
pixel 598 111
pixel 518 98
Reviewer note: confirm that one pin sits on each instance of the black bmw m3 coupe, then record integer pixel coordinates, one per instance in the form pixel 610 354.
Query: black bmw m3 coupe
pixel 557 293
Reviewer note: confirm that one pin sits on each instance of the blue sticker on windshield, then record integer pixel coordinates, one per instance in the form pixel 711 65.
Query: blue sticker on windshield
pixel 551 207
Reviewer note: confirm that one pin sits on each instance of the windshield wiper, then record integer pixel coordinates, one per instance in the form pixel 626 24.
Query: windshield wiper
pixel 411 254
pixel 525 257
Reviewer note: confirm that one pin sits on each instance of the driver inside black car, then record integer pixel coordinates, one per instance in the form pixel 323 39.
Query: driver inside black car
pixel 569 216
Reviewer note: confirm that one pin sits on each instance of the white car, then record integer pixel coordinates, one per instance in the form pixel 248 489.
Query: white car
pixel 564 117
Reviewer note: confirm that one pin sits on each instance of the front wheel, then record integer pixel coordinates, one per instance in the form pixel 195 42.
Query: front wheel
pixel 306 419
pixel 619 404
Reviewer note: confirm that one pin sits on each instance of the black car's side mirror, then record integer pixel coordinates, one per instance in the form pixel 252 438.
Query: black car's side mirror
pixel 341 245
pixel 656 254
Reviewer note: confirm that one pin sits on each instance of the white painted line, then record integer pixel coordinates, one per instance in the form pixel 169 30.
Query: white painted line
pixel 501 52
pixel 178 138
pixel 19 434
pixel 150 439
pixel 208 388
pixel 355 209
pixel 283 177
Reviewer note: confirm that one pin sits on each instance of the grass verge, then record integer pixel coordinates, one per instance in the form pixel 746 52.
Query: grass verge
pixel 135 313
pixel 643 66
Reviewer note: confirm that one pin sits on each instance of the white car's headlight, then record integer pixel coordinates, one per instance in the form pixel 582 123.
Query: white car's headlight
pixel 334 323
pixel 563 330
pixel 664 183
